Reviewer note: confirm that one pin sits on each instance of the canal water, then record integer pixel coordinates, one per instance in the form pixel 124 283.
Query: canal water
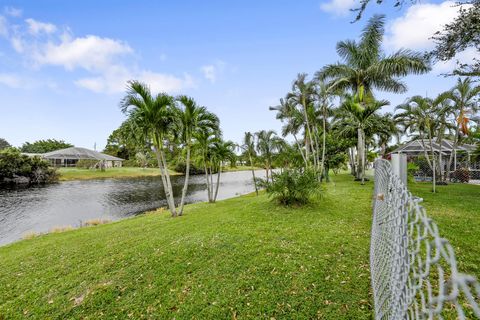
pixel 41 208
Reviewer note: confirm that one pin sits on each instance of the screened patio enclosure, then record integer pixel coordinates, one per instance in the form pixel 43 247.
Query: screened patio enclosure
pixel 449 160
pixel 69 157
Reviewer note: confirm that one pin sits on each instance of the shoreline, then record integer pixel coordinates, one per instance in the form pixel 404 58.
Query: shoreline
pixel 74 174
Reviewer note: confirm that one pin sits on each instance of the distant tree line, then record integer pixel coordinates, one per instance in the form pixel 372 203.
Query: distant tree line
pixel 44 146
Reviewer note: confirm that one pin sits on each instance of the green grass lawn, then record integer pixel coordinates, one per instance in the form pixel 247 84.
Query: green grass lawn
pixel 240 168
pixel 242 258
pixel 67 174
pixel 456 210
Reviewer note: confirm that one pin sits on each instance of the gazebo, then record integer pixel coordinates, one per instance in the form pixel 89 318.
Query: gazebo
pixel 69 157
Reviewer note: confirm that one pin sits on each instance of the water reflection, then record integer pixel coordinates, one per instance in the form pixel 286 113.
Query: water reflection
pixel 38 209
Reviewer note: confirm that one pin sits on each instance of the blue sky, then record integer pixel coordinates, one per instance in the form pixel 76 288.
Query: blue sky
pixel 64 64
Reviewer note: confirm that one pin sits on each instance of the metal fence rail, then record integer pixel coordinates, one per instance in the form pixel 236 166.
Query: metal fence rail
pixel 413 270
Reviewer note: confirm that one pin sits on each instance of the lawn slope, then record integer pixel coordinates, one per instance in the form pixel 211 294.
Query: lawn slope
pixel 242 258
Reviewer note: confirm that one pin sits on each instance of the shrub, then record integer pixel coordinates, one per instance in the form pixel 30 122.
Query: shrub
pixel 412 169
pixel 181 167
pixel 293 187
pixel 86 163
pixel 17 168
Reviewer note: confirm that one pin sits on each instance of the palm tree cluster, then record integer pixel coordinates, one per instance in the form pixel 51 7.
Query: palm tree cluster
pixel 340 101
pixel 263 148
pixel 432 120
pixel 165 123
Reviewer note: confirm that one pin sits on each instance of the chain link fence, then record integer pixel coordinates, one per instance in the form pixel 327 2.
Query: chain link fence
pixel 413 270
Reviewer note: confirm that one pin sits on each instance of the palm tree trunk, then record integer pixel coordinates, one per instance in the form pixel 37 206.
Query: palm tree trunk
pixel 206 180
pixel 253 173
pixel 171 205
pixel 307 144
pixel 351 156
pixel 169 184
pixel 300 149
pixel 185 185
pixel 433 160
pixel 316 149
pixel 455 144
pixel 212 199
pixel 363 156
pixel 425 151
pixel 324 144
pixel 307 122
pixel 218 181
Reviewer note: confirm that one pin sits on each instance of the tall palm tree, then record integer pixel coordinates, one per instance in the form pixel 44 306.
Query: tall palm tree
pixel 302 94
pixel 220 152
pixel 155 115
pixel 324 95
pixel 249 147
pixel 204 139
pixel 357 114
pixel 293 120
pixel 267 144
pixel 192 118
pixel 366 66
pixel 427 118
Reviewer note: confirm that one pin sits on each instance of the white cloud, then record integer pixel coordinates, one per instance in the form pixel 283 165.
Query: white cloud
pixel 159 82
pixel 10 80
pixel 212 71
pixel 17 81
pixel 466 56
pixel 13 12
pixel 17 44
pixel 415 29
pixel 209 72
pixel 36 27
pixel 3 27
pixel 109 63
pixel 90 52
pixel 338 7
pixel 114 80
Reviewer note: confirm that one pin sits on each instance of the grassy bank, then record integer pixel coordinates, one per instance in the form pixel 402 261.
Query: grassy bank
pixel 67 174
pixel 240 168
pixel 243 258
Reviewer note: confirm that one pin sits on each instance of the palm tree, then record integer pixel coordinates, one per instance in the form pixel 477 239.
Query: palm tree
pixel 357 114
pixel 155 115
pixel 191 119
pixel 324 95
pixel 366 66
pixel 268 143
pixel 427 117
pixel 249 147
pixel 294 121
pixel 204 139
pixel 303 95
pixel 465 104
pixel 220 152
pixel 385 130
